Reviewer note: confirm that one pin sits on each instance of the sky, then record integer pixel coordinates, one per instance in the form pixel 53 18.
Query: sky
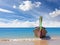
pixel 26 13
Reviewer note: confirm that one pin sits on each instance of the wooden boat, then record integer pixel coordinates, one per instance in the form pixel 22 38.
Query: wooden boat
pixel 40 31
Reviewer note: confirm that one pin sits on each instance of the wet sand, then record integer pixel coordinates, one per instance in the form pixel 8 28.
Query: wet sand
pixel 35 42
pixel 29 42
pixel 40 42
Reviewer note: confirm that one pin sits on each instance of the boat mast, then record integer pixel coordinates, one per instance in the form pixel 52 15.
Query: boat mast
pixel 40 22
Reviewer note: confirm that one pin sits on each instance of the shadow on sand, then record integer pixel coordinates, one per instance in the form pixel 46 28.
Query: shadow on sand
pixel 46 38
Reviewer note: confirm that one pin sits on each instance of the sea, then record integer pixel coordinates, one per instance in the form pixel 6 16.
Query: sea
pixel 26 32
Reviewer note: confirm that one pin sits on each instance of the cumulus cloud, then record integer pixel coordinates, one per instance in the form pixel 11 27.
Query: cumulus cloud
pixel 55 13
pixel 27 5
pixel 14 6
pixel 17 23
pixel 4 10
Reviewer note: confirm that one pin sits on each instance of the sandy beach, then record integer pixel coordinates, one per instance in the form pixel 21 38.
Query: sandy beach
pixel 29 41
pixel 22 42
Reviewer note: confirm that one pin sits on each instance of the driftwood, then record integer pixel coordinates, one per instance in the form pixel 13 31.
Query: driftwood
pixel 40 33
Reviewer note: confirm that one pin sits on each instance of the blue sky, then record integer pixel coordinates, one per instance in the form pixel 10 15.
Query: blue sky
pixel 28 11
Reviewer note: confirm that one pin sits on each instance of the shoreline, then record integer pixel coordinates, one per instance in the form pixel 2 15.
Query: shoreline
pixel 28 39
pixel 21 39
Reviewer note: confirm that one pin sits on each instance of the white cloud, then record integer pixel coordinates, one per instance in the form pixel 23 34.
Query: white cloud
pixel 37 4
pixel 27 5
pixel 51 24
pixel 4 10
pixel 14 6
pixel 17 23
pixel 55 13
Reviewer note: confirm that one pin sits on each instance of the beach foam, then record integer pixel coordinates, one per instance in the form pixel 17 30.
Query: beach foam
pixel 30 39
pixel 21 39
pixel 27 39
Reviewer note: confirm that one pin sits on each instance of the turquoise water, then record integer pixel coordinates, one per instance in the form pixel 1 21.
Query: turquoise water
pixel 25 32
